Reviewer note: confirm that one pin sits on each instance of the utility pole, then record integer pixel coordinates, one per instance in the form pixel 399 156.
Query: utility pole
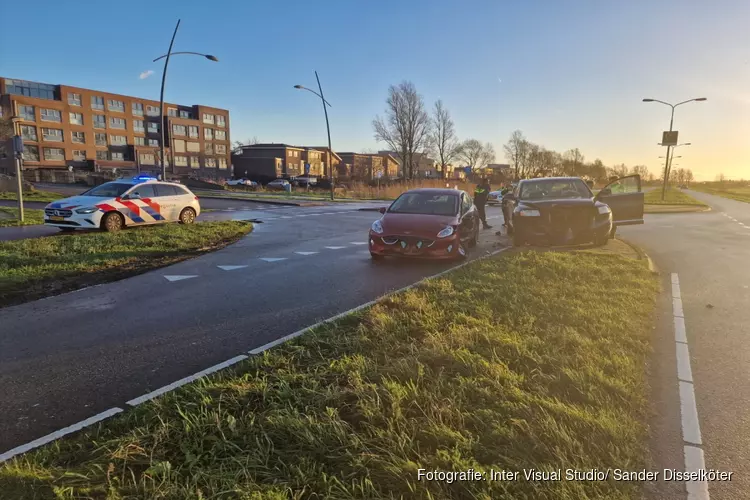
pixel 18 154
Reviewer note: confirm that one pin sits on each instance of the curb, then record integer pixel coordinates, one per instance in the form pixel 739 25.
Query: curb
pixel 269 202
pixel 369 209
pixel 642 255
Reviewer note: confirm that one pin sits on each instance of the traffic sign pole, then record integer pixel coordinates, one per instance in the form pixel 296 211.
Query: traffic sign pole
pixel 18 150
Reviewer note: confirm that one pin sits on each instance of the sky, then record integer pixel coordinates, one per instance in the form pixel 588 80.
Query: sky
pixel 567 74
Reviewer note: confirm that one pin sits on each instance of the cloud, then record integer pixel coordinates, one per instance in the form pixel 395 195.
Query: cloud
pixel 146 74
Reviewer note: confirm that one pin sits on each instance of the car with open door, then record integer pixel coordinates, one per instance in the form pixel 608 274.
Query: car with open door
pixel 564 210
pixel 427 223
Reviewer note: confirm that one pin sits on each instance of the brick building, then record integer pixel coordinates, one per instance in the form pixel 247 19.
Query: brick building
pixel 65 126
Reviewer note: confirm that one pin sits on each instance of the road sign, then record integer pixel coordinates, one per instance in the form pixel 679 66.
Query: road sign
pixel 307 168
pixel 669 138
pixel 467 170
pixel 17 144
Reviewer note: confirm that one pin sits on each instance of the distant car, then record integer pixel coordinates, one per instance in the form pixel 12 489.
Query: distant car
pixel 123 203
pixel 305 181
pixel 281 184
pixel 564 211
pixel 242 182
pixel 495 197
pixel 427 223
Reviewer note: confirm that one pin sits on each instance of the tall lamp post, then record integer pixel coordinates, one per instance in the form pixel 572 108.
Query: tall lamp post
pixel 669 168
pixel 18 158
pixel 671 122
pixel 328 128
pixel 161 97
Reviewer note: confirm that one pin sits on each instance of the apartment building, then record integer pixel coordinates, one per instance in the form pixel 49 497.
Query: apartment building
pixel 269 161
pixel 64 126
pixel 366 166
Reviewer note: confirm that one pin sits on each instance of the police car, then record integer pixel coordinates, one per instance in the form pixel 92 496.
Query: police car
pixel 124 202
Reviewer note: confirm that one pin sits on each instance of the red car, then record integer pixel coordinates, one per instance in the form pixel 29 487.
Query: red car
pixel 428 223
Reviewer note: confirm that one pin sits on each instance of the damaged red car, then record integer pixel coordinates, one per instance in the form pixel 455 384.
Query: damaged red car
pixel 426 223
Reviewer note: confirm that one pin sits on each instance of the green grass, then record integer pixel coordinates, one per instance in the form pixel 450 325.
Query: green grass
pixel 9 217
pixel 39 267
pixel 43 196
pixel 525 360
pixel 733 192
pixel 672 197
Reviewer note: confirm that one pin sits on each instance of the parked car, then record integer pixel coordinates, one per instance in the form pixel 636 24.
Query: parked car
pixel 564 211
pixel 242 182
pixel 122 203
pixel 305 181
pixel 429 223
pixel 279 184
pixel 495 198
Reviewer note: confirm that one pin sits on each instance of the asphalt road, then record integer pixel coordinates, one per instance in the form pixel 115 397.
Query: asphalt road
pixel 66 358
pixel 710 252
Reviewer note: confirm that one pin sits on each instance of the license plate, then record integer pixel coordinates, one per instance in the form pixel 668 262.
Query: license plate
pixel 56 217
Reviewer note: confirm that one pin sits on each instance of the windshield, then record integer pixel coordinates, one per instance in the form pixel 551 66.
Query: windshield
pixel 425 203
pixel 550 189
pixel 108 190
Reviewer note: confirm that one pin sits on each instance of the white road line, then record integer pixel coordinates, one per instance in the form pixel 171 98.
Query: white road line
pixel 186 380
pixel 677 307
pixel 58 434
pixel 358 243
pixel 694 462
pixel 676 291
pixel 335 248
pixel 286 217
pixel 272 259
pixel 684 373
pixel 691 431
pixel 180 277
pixel 679 330
pixel 230 268
pixel 306 253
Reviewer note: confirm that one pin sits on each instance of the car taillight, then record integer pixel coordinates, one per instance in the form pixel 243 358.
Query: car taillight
pixel 196 198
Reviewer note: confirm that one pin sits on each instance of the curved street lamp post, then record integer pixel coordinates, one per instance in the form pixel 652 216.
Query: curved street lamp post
pixel 328 129
pixel 669 148
pixel 161 97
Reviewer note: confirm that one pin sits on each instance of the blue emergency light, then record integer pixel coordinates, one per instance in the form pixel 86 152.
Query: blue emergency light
pixel 144 178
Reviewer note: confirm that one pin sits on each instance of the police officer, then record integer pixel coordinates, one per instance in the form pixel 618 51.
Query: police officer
pixel 481 192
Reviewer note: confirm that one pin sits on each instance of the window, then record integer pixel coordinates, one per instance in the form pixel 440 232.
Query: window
pixel 210 162
pixel 193 147
pixel 100 139
pixel 426 204
pixel 138 126
pixel 179 130
pixel 52 134
pixel 223 163
pixel 145 191
pixel 115 105
pixel 221 121
pixel 30 153
pixel 539 189
pixel 118 140
pixel 466 203
pixel 78 137
pixel 102 155
pixel 152 110
pixel 74 99
pixel 193 131
pixel 137 108
pixel 629 184
pixel 28 132
pixel 171 112
pixel 207 118
pixel 79 155
pixel 208 134
pixel 181 161
pixel 117 155
pixel 30 89
pixel 179 146
pixel 100 121
pixel 195 162
pixel 153 128
pixel 221 135
pixel 185 114
pixel 147 159
pixel 140 141
pixel 76 118
pixel 54 154
pixel 154 143
pixel 51 115
pixel 166 190
pixel 220 149
pixel 27 113
pixel 208 148
pixel 116 122
pixel 97 102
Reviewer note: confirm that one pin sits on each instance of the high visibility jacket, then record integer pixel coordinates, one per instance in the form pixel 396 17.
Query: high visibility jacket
pixel 480 194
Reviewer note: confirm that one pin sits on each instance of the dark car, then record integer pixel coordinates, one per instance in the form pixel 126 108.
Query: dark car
pixel 564 211
pixel 427 223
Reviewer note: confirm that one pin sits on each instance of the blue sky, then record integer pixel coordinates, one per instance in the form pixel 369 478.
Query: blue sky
pixel 568 74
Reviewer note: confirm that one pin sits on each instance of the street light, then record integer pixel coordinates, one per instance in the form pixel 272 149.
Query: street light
pixel 669 168
pixel 161 97
pixel 671 121
pixel 328 128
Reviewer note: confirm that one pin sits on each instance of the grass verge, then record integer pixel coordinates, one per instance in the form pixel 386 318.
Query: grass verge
pixel 519 361
pixel 43 196
pixel 40 267
pixel 737 192
pixel 672 197
pixel 9 217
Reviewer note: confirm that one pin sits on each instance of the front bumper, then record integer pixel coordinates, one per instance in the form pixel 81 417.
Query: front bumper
pixel 413 246
pixel 73 220
pixel 539 231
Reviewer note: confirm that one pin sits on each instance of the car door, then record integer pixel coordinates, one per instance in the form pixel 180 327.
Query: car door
pixel 625 199
pixel 167 198
pixel 469 218
pixel 508 204
pixel 139 199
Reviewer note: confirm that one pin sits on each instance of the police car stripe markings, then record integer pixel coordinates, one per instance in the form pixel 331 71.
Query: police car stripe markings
pixel 230 268
pixel 180 277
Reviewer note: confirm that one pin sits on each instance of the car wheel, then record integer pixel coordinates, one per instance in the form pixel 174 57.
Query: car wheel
pixel 187 216
pixel 600 241
pixel 613 232
pixel 113 222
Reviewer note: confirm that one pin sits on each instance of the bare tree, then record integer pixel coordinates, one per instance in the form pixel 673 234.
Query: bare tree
pixel 475 154
pixel 574 163
pixel 406 125
pixel 443 137
pixel 689 177
pixel 516 150
pixel 641 170
pixel 238 144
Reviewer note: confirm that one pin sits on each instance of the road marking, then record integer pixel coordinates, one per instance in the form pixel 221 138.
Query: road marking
pixel 691 431
pixel 272 259
pixel 230 268
pixel 58 434
pixel 186 380
pixel 285 217
pixel 335 248
pixel 306 253
pixel 358 243
pixel 180 277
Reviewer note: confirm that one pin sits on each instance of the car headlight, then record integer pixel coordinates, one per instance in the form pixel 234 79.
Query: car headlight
pixel 377 227
pixel 88 210
pixel 529 213
pixel 604 209
pixel 447 231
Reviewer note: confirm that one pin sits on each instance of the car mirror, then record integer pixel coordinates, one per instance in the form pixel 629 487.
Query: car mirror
pixel 382 210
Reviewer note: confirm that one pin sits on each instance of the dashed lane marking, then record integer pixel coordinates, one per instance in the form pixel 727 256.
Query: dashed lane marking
pixel 180 277
pixel 358 243
pixel 273 259
pixel 306 253
pixel 230 268
pixel 335 248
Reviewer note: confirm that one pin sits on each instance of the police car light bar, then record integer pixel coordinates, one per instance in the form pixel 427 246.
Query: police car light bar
pixel 144 178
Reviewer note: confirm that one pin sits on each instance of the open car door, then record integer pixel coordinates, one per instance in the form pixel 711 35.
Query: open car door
pixel 625 199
